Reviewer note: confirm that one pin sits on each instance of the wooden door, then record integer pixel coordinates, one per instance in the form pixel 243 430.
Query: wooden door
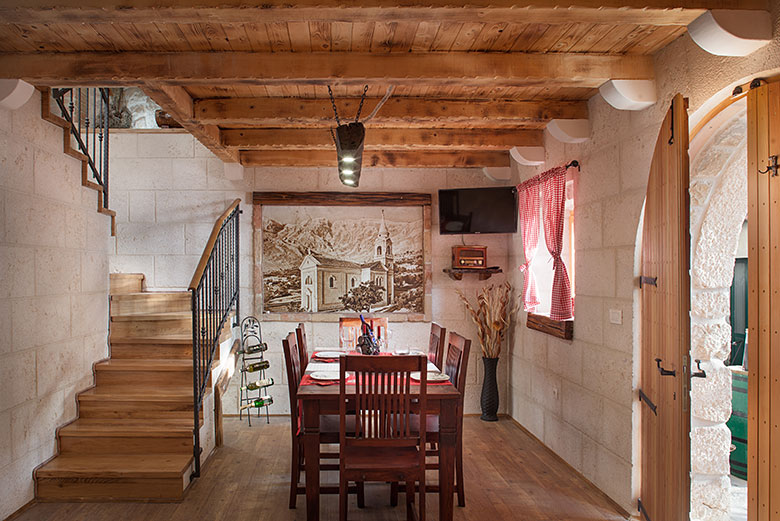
pixel 665 346
pixel 763 303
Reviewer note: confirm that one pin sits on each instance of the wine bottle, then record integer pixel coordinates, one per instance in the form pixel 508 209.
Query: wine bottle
pixel 258 348
pixel 257 366
pixel 367 330
pixel 253 386
pixel 263 401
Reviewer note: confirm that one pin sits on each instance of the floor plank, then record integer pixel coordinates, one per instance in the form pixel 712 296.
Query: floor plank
pixel 509 475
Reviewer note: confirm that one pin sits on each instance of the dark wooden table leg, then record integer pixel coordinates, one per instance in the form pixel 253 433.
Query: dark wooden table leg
pixel 311 454
pixel 447 442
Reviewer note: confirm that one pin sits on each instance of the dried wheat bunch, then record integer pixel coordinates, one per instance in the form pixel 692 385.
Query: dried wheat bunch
pixel 492 315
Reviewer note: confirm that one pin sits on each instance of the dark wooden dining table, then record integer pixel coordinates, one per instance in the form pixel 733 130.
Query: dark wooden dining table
pixel 323 399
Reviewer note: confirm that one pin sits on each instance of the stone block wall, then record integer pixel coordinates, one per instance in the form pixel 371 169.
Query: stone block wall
pixel 168 189
pixel 718 209
pixel 53 294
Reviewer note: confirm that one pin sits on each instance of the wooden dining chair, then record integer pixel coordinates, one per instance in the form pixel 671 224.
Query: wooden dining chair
pixel 436 344
pixel 383 447
pixel 300 333
pixel 455 366
pixel 349 330
pixel 329 426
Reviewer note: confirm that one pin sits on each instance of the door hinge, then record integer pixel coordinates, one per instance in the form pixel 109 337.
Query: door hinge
pixel 653 281
pixel 641 508
pixel 771 167
pixel 643 397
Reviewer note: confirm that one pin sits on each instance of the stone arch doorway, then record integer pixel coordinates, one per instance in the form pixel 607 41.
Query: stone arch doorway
pixel 718 208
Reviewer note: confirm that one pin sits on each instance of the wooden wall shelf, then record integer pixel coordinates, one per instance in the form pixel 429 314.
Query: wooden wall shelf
pixel 484 273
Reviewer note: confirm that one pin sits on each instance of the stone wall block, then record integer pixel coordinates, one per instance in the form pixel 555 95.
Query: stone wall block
pixel 711 396
pixel 710 450
pixel 699 191
pixel 166 145
pixel 710 304
pixel 710 499
pixel 711 341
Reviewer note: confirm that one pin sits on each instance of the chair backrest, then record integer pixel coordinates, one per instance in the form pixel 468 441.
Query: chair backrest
pixel 457 362
pixel 303 349
pixel 436 344
pixel 349 330
pixel 292 360
pixel 384 400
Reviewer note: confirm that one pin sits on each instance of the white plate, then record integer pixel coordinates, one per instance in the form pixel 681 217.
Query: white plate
pixel 328 354
pixel 416 352
pixel 324 376
pixel 432 377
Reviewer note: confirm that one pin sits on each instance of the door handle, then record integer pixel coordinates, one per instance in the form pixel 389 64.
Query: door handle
pixel 700 373
pixel 664 372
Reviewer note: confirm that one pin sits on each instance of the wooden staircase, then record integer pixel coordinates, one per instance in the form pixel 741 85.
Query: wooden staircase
pixel 133 437
pixel 67 148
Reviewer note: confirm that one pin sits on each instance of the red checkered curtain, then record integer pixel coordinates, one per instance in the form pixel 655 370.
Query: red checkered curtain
pixel 553 211
pixel 528 204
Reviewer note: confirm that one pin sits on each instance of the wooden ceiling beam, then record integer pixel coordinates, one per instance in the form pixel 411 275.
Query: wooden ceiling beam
pixel 383 138
pixel 643 12
pixel 178 103
pixel 220 68
pixel 379 158
pixel 400 112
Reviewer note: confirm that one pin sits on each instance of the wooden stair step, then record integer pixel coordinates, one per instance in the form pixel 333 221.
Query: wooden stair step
pixel 150 302
pixel 134 436
pixel 134 372
pixel 160 339
pixel 125 351
pixel 114 477
pixel 125 403
pixel 153 317
pixel 126 282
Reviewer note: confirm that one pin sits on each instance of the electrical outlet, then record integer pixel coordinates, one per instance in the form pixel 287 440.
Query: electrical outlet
pixel 615 316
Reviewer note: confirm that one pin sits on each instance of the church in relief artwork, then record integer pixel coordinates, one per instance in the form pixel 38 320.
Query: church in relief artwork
pixel 324 279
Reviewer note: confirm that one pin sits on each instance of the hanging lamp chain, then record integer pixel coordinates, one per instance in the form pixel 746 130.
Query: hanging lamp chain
pixel 360 107
pixel 333 103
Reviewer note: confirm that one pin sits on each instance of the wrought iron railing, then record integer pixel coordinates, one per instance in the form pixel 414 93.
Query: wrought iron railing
pixel 87 109
pixel 214 289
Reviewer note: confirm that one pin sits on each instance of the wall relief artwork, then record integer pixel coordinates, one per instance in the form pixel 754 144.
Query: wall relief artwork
pixel 343 259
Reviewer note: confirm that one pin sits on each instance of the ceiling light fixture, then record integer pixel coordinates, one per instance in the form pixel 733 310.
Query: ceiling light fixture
pixel 349 139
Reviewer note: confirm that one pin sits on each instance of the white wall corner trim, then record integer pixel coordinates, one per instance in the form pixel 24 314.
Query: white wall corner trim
pixel 629 94
pixel 731 32
pixel 569 130
pixel 528 156
pixel 14 93
pixel 234 171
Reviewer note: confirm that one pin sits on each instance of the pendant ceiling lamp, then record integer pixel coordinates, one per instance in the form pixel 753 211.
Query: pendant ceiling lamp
pixel 350 138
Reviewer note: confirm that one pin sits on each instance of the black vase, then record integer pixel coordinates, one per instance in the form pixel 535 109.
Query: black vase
pixel 489 400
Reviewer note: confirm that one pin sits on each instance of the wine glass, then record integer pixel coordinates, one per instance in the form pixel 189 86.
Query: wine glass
pixel 345 335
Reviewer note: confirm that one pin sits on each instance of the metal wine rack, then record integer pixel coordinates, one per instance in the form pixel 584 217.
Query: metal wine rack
pixel 251 338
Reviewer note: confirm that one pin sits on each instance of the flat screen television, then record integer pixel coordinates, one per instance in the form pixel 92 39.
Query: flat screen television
pixel 478 210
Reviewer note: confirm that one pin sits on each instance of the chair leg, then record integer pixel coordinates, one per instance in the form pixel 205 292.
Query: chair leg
pixel 459 487
pixel 361 495
pixel 343 499
pixel 394 494
pixel 295 473
pixel 409 499
pixel 422 497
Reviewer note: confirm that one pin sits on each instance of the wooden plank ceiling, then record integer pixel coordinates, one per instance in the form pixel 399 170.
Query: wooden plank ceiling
pixel 251 82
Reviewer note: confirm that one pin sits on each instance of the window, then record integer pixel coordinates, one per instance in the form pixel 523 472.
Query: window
pixel 378 282
pixel 308 279
pixel 546 208
pixel 379 250
pixel 352 282
pixel 332 281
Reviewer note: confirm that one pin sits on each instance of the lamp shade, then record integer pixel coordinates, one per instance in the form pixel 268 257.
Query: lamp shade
pixel 350 139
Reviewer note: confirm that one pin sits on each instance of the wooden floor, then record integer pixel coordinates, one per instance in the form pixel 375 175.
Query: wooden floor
pixel 509 476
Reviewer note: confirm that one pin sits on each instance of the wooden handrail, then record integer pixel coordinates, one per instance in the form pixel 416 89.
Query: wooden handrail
pixel 204 259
